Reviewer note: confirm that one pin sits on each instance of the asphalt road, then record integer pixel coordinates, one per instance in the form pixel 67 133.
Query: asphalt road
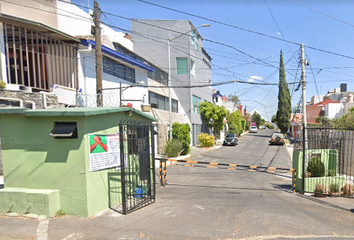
pixel 206 203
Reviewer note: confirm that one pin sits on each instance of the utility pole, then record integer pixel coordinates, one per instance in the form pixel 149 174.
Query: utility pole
pixel 304 119
pixel 303 82
pixel 98 54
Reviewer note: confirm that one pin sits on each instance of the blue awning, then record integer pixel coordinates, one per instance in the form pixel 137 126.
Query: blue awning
pixel 117 55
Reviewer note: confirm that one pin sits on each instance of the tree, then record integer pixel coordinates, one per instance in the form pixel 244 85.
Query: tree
pixel 181 132
pixel 256 117
pixel 214 115
pixel 234 121
pixel 346 121
pixel 233 98
pixel 284 102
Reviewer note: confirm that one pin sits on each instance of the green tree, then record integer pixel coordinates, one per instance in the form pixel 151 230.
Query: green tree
pixel 256 117
pixel 233 98
pixel 323 119
pixel 346 121
pixel 214 115
pixel 274 119
pixel 181 132
pixel 284 102
pixel 234 121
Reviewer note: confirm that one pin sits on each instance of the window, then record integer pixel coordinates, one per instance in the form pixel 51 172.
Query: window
pixel 116 69
pixel 196 104
pixel 194 40
pixel 182 65
pixel 161 102
pixel 64 130
pixel 158 75
pixel 192 68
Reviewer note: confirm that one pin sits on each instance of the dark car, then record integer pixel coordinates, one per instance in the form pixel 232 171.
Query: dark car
pixel 230 139
pixel 277 138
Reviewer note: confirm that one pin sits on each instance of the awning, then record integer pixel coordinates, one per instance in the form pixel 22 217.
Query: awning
pixel 38 27
pixel 117 55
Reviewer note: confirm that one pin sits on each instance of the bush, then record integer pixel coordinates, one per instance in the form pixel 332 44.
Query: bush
pixel 181 132
pixel 233 128
pixel 173 148
pixel 320 188
pixel 316 167
pixel 334 188
pixel 206 140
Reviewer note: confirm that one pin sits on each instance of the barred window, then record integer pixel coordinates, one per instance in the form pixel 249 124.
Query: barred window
pixel 118 70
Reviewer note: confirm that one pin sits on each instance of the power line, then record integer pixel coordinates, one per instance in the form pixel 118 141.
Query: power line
pixel 245 29
pixel 327 15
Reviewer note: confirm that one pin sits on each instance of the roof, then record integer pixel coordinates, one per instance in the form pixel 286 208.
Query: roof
pixel 110 52
pixel 37 26
pixel 325 102
pixel 72 112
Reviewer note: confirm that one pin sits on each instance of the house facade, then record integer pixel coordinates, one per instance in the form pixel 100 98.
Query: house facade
pixel 190 65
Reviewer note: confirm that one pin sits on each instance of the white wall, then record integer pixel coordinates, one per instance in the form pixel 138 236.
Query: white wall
pixel 334 110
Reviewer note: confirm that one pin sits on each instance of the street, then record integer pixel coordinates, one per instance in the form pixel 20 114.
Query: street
pixel 208 203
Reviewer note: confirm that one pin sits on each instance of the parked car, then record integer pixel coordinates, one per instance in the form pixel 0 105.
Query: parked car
pixel 253 129
pixel 230 139
pixel 277 138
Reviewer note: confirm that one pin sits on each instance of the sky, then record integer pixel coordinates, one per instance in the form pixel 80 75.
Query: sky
pixel 245 39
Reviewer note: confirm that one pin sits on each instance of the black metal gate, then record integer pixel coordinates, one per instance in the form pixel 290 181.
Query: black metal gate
pixel 327 160
pixel 137 165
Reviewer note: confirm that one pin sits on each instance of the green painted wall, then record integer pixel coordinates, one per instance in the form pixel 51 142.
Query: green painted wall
pixel 33 159
pixel 330 159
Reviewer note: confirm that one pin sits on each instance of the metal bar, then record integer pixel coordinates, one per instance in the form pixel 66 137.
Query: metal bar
pixel 303 159
pixel 152 139
pixel 122 169
pixel 27 59
pixel 49 62
pixel 7 53
pixel 38 63
pixel 44 86
pixel 15 54
pixel 33 61
pixel 21 58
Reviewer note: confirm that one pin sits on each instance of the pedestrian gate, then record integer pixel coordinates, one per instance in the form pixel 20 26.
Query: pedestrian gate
pixel 137 170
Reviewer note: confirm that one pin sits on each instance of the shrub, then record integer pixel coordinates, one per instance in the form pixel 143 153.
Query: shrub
pixel 348 189
pixel 173 148
pixel 333 188
pixel 320 188
pixel 206 140
pixel 2 84
pixel 233 128
pixel 316 167
pixel 181 132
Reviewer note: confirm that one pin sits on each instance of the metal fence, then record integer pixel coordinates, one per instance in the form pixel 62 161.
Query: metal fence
pixel 327 160
pixel 138 165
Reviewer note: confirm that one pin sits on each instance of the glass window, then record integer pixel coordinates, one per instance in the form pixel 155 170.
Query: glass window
pixel 118 70
pixel 194 40
pixel 162 102
pixel 182 65
pixel 192 68
pixel 196 103
pixel 153 99
pixel 174 105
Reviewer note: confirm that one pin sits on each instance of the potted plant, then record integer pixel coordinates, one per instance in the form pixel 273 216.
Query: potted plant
pixel 320 190
pixel 334 189
pixel 348 189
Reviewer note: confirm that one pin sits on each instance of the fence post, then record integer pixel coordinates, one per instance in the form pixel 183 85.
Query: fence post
pixel 303 158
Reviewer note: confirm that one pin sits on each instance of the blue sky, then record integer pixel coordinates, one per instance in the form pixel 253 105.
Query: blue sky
pixel 242 41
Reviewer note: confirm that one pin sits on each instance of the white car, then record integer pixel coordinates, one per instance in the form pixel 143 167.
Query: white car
pixel 253 129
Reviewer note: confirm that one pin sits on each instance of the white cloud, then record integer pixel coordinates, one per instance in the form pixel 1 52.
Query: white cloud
pixel 252 78
pixel 278 33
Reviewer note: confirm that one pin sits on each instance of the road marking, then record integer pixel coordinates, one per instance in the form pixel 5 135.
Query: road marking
pixel 42 229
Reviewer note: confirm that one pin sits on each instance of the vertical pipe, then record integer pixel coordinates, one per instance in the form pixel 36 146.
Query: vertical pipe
pixel 161 177
pixel 22 78
pixel 7 54
pixel 165 173
pixel 27 59
pixel 153 159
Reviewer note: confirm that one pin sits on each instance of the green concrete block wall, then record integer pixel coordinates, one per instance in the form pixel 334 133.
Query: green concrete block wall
pixel 35 201
pixel 328 156
pixel 33 159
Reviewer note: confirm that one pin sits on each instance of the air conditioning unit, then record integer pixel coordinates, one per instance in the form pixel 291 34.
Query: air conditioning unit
pixel 65 95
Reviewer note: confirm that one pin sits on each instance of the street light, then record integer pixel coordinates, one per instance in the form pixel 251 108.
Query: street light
pixel 169 71
pixel 141 83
